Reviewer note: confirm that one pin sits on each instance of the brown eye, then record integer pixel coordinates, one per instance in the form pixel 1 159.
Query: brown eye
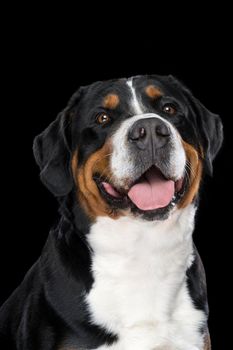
pixel 102 118
pixel 169 109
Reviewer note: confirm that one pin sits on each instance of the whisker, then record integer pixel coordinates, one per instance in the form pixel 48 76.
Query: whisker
pixel 100 159
pixel 188 165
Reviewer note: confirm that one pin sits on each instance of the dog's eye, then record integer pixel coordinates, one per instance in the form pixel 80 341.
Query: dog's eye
pixel 102 118
pixel 169 108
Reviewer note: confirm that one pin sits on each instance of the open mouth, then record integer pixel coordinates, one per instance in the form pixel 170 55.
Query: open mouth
pixel 151 192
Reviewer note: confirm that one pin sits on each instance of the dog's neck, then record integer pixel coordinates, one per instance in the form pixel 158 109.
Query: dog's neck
pixel 144 262
pixel 140 268
pixel 128 233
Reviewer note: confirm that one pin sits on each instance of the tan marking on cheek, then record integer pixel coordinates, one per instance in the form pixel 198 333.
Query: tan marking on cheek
pixel 207 345
pixel 87 191
pixel 111 101
pixel 153 92
pixel 195 171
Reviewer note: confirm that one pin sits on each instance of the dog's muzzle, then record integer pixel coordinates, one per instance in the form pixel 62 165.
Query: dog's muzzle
pixel 147 163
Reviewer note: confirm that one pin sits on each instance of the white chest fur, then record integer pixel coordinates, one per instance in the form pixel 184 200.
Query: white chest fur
pixel 140 289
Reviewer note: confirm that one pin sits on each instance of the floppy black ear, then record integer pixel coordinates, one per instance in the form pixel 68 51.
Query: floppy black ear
pixel 209 124
pixel 52 151
pixel 212 134
pixel 52 154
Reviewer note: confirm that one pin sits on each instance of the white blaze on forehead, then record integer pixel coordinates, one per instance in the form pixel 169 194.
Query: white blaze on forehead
pixel 135 105
pixel 122 162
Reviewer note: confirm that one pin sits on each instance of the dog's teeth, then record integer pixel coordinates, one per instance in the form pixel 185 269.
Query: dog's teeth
pixel 173 198
pixel 172 203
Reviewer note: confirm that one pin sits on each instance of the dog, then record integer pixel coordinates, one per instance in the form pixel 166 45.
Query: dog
pixel 125 160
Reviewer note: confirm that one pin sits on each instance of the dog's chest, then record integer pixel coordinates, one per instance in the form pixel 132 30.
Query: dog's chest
pixel 140 280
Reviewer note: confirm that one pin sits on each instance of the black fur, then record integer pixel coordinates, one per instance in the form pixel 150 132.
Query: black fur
pixel 48 308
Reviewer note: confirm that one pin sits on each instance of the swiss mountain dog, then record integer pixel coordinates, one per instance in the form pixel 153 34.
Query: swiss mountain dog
pixel 125 160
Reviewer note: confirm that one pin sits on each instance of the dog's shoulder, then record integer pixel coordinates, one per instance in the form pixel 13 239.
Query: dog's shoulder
pixel 14 313
pixel 196 281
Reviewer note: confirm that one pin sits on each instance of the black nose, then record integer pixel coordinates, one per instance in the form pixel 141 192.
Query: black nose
pixel 150 131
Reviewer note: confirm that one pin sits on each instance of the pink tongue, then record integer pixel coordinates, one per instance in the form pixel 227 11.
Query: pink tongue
pixel 153 191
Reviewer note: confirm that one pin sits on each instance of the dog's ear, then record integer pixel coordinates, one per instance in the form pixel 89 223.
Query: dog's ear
pixel 52 151
pixel 211 130
pixel 209 125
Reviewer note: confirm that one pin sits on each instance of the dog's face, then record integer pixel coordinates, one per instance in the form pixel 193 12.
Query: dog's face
pixel 133 147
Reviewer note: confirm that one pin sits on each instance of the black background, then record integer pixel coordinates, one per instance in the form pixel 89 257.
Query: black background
pixel 46 62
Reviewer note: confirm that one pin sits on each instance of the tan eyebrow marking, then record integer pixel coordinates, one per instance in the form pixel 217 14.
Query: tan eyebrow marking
pixel 111 101
pixel 153 91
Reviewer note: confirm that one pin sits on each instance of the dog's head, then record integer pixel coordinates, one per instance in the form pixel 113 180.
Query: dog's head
pixel 134 146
